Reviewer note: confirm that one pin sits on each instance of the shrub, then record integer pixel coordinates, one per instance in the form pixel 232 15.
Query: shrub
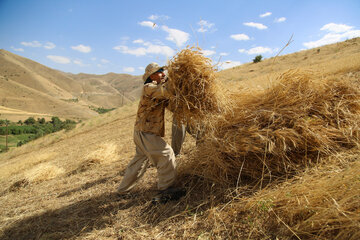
pixel 257 59
pixel 41 120
pixel 101 110
pixel 30 121
pixel 69 126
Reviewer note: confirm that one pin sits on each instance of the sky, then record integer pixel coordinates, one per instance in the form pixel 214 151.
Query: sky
pixel 102 36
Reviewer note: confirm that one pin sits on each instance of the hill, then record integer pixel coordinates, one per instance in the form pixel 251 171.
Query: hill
pixel 63 186
pixel 109 90
pixel 327 59
pixel 29 88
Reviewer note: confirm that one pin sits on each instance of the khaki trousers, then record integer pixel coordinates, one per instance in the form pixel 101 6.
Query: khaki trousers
pixel 150 147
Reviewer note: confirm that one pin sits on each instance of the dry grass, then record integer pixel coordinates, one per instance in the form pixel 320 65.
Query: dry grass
pixel 43 172
pixel 105 153
pixel 281 130
pixel 322 203
pixel 12 168
pixel 321 206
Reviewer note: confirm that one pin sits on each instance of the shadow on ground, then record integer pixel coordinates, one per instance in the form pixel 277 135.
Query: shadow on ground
pixel 103 210
pixel 72 220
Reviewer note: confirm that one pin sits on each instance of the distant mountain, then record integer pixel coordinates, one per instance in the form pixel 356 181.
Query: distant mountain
pixel 28 88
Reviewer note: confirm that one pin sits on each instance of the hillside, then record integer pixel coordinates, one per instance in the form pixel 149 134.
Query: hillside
pixel 62 186
pixel 109 90
pixel 327 59
pixel 29 88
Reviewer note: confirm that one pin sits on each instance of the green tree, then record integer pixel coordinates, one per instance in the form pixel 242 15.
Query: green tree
pixel 57 124
pixel 257 59
pixel 30 121
pixel 41 120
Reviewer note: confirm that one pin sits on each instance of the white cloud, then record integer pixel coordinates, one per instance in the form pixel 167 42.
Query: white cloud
pixel 337 33
pixel 279 20
pixel 159 49
pixel 31 44
pixel 153 17
pixel 224 54
pixel 78 62
pixel 256 25
pixel 148 48
pixel 265 14
pixel 129 69
pixel 177 36
pixel 93 59
pixel 136 51
pixel 59 59
pixel 160 17
pixel 336 28
pixel 351 34
pixel 49 45
pixel 148 24
pixel 104 61
pixel 208 52
pixel 240 37
pixel 82 48
pixel 332 38
pixel 257 50
pixel 205 26
pixel 229 64
pixel 141 68
pixel 17 49
pixel 138 41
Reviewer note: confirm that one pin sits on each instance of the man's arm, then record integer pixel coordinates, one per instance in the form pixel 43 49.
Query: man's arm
pixel 158 91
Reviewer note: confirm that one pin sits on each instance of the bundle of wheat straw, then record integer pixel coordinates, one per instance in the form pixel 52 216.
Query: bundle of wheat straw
pixel 320 206
pixel 195 90
pixel 281 130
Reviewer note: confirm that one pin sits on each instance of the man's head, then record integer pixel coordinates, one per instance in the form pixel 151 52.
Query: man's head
pixel 154 72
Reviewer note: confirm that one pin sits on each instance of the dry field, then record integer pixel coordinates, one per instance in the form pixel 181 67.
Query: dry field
pixel 63 186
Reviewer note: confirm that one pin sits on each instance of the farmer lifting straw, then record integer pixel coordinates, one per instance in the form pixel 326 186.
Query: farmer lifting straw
pixel 148 132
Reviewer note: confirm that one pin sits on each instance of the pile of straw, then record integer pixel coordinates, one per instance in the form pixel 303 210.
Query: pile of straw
pixel 320 206
pixel 191 80
pixel 276 132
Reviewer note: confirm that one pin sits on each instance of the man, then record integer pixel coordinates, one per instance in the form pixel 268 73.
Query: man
pixel 148 132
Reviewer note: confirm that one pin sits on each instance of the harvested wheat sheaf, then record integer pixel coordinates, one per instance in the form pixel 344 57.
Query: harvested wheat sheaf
pixel 276 132
pixel 319 206
pixel 192 82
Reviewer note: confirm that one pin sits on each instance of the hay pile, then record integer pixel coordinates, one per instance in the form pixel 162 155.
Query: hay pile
pixel 319 206
pixel 276 132
pixel 193 85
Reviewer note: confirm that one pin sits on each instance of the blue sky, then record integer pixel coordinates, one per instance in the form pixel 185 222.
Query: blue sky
pixel 93 36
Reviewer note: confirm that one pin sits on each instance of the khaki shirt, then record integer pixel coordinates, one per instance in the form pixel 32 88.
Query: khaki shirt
pixel 151 110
